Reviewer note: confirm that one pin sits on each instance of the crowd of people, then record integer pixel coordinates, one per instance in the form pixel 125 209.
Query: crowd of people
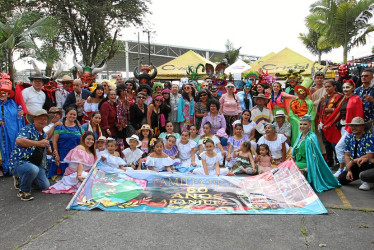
pixel 214 128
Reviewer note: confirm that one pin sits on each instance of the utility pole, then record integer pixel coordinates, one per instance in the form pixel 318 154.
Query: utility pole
pixel 149 45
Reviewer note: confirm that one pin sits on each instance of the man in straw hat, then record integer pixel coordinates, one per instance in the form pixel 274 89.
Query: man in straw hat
pixel 359 155
pixel 28 158
pixel 261 114
pixel 281 125
pixel 62 93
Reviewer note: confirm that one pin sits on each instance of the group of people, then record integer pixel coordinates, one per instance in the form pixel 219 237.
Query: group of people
pixel 220 129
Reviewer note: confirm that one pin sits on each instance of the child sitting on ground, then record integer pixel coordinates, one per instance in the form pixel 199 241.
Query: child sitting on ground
pixel 263 159
pixel 133 154
pixel 157 160
pixel 244 160
pixel 113 158
pixel 171 149
pixel 100 147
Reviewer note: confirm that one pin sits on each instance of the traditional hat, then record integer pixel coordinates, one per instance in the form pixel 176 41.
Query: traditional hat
pixel 101 138
pixel 54 110
pixel 261 96
pixel 146 127
pixel 280 113
pixel 6 85
pixel 134 137
pixel 39 76
pixel 357 121
pixel 305 85
pixel 66 78
pixel 40 112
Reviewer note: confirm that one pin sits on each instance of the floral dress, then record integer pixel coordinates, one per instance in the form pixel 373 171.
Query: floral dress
pixel 186 113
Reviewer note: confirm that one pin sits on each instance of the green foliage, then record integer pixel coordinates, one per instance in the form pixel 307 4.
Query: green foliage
pixel 310 41
pixel 231 54
pixel 341 23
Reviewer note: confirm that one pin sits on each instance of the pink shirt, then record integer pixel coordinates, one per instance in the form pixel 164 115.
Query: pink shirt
pixel 229 105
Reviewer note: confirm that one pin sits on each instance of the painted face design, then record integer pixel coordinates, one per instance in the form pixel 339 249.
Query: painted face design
pixel 301 91
pixel 347 87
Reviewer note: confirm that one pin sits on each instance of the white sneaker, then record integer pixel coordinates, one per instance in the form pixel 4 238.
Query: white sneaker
pixel 366 186
pixel 338 172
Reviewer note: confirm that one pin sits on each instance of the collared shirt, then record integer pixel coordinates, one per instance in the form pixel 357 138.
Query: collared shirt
pixel 21 154
pixel 365 144
pixel 368 106
pixel 61 95
pixel 78 97
pixel 34 100
pixel 285 129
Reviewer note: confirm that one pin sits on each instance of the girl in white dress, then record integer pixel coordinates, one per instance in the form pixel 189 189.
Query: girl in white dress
pixel 210 161
pixel 217 143
pixel 187 149
pixel 113 158
pixel 159 161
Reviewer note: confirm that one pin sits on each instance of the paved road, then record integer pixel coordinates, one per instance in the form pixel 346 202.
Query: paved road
pixel 44 224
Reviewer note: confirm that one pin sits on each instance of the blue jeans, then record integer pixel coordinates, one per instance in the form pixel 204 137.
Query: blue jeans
pixel 30 173
pixel 224 141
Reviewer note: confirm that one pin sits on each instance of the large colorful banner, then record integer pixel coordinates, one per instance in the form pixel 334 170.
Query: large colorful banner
pixel 284 190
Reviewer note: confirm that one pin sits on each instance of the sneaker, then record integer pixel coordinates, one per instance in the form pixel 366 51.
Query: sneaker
pixel 25 196
pixel 338 172
pixel 16 182
pixel 366 186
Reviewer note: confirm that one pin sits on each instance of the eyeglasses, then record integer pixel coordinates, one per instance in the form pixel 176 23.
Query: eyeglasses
pixel 158 100
pixel 203 95
pixel 141 97
pixel 365 76
pixel 187 87
pixel 158 87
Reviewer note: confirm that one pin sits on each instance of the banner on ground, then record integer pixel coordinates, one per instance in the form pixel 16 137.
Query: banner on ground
pixel 284 190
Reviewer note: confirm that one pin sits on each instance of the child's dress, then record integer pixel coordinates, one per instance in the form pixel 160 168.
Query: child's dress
pixel 101 153
pixel 159 164
pixel 144 146
pixel 240 163
pixel 210 164
pixel 215 140
pixel 197 140
pixel 172 152
pixel 116 162
pixel 185 156
pixel 264 164
pixel 235 145
pixel 69 183
pixel 132 157
pixel 164 134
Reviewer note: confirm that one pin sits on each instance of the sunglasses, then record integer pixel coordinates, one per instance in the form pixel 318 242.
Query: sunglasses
pixel 187 87
pixel 158 87
pixel 230 87
pixel 203 95
pixel 365 76
pixel 158 100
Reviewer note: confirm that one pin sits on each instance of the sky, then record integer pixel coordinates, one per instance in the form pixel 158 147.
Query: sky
pixel 258 27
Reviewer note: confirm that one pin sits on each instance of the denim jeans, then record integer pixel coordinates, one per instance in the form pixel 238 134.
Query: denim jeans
pixel 30 173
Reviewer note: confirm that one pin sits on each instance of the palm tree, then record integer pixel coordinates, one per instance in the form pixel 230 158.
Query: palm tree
pixel 231 54
pixel 310 41
pixel 341 23
pixel 17 34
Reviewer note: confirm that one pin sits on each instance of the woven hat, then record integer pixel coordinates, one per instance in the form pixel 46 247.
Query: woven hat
pixel 357 121
pixel 66 78
pixel 40 112
pixel 280 113
pixel 146 127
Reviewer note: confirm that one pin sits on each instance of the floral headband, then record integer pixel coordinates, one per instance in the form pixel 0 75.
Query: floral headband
pixel 206 139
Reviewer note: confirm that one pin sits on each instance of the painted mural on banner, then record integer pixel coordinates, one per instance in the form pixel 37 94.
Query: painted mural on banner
pixel 283 190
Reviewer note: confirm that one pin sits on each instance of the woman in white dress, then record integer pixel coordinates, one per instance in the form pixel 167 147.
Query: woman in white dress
pixel 279 149
pixel 210 161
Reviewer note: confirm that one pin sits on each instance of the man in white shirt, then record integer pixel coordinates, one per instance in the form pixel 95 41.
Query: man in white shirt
pixel 33 96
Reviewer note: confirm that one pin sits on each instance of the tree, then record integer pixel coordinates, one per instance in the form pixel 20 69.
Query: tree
pixel 18 32
pixel 93 26
pixel 231 54
pixel 341 23
pixel 310 41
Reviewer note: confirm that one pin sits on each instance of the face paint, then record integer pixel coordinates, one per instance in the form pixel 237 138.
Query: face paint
pixel 347 87
pixel 301 91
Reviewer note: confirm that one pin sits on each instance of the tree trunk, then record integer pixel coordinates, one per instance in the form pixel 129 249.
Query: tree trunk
pixel 319 57
pixel 345 53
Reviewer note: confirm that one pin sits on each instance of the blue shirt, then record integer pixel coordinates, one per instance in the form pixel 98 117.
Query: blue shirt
pixel 21 154
pixel 364 145
pixel 368 106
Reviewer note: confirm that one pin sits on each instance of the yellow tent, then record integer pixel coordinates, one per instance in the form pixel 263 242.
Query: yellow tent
pixel 176 68
pixel 285 60
pixel 262 59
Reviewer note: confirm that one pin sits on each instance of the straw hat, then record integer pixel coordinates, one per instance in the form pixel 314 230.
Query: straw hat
pixel 66 78
pixel 146 127
pixel 40 112
pixel 101 138
pixel 357 121
pixel 261 96
pixel 280 113
pixel 134 137
pixel 54 110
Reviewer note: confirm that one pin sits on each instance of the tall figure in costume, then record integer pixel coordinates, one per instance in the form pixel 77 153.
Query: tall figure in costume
pixel 87 74
pixel 344 75
pixel 11 122
pixel 351 106
pixel 309 159
pixel 293 78
pixel 301 106
pixel 144 77
pixel 250 78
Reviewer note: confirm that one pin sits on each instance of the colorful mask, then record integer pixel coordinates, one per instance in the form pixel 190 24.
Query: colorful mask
pixel 87 74
pixel 144 77
pixel 343 70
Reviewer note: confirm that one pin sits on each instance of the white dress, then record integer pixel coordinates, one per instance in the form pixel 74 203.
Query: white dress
pixel 247 130
pixel 215 140
pixel 275 146
pixel 132 157
pixel 159 164
pixel 185 153
pixel 90 107
pixel 210 164
pixel 101 153
pixel 115 162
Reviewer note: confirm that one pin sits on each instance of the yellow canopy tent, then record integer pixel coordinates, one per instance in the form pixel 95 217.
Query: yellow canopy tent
pixel 176 68
pixel 285 60
pixel 262 59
